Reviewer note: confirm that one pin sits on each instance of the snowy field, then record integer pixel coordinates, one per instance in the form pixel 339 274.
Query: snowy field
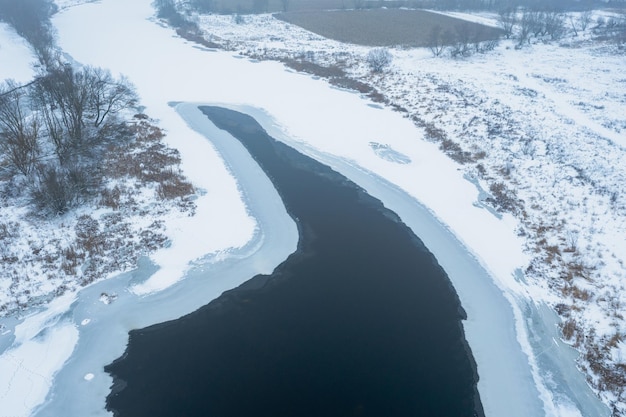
pixel 520 94
pixel 540 131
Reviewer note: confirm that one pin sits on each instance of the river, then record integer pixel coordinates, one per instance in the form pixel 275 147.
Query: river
pixel 361 320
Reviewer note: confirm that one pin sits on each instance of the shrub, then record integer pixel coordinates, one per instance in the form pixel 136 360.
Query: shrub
pixel 52 194
pixel 88 235
pixel 503 198
pixel 174 187
pixel 569 328
pixel 378 59
pixel 111 197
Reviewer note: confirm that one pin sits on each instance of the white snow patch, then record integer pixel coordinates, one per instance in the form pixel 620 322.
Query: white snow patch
pixel 28 369
pixel 16 56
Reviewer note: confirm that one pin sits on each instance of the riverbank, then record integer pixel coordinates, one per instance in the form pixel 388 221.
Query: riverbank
pixel 513 339
pixel 79 386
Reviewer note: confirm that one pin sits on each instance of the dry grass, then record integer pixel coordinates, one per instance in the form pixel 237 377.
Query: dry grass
pixel 384 27
pixel 273 6
pixel 249 6
pixel 148 160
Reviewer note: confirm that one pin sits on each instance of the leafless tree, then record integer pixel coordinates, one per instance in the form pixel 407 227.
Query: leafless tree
pixel 107 96
pixel 19 133
pixel 554 24
pixel 438 39
pixel 584 20
pixel 507 19
pixel 526 27
pixel 68 91
pixel 463 38
pixel 75 103
pixel 378 59
pixel 50 193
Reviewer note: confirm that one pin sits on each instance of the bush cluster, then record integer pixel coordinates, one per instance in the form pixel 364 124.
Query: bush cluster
pixel 54 131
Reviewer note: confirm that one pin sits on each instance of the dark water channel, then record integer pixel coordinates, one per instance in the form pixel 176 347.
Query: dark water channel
pixel 360 321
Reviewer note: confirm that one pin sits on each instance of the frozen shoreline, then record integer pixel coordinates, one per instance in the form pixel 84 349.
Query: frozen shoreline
pixel 81 386
pixel 497 321
pixel 490 328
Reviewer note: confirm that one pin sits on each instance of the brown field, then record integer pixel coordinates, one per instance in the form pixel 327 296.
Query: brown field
pixel 385 27
pixel 274 6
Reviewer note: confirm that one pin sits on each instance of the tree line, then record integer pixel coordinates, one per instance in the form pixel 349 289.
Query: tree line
pixel 54 131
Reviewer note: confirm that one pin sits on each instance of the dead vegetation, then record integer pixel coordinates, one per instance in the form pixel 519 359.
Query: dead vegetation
pixel 86 247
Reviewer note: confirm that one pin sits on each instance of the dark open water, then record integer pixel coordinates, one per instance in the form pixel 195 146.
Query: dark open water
pixel 360 321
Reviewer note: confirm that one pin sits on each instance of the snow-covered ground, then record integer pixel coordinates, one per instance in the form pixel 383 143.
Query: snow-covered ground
pixel 17 61
pixel 545 125
pixel 493 104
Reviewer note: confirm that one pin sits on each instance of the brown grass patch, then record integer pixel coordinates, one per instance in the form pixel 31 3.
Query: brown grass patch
pixel 383 27
pixel 252 6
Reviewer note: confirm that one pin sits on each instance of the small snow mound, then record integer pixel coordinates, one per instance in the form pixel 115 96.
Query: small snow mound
pixel 89 376
pixel 107 298
pixel 387 153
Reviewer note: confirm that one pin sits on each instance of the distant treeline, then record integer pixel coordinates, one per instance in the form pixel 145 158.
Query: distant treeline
pixel 167 7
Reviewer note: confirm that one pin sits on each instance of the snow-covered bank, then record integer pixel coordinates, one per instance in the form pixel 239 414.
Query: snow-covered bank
pixel 316 119
pixel 39 347
pixel 100 330
pixel 541 376
pixel 17 58
pixel 538 130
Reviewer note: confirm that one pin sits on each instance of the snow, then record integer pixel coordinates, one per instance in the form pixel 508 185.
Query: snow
pixel 540 89
pixel 16 57
pixel 27 370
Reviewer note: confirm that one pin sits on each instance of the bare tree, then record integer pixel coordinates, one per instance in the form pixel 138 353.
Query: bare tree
pixel 74 104
pixel 50 193
pixel 19 133
pixel 463 38
pixel 573 23
pixel 378 59
pixel 554 24
pixel 585 19
pixel 526 27
pixel 68 91
pixel 107 96
pixel 54 128
pixel 438 39
pixel 506 20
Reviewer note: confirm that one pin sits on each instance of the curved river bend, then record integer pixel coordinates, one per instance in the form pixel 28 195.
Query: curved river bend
pixel 361 320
